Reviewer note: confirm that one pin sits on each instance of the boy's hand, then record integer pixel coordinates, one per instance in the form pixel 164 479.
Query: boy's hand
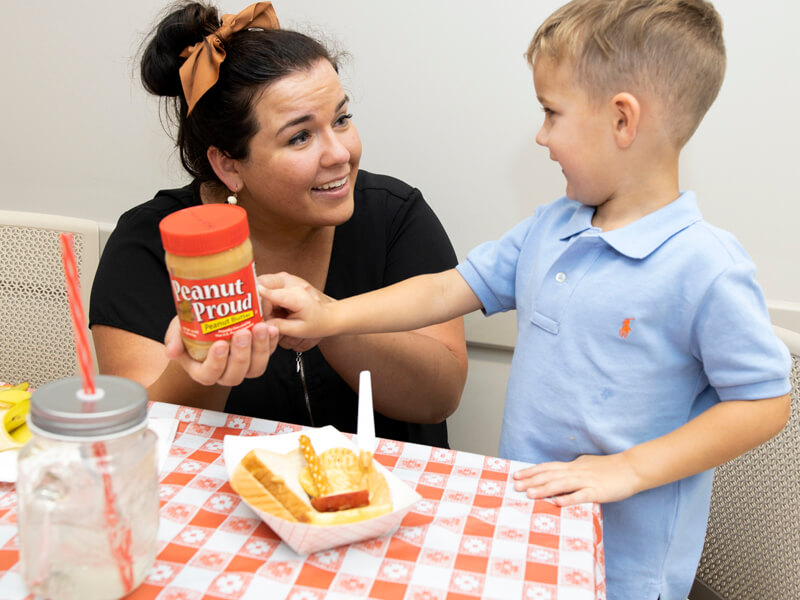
pixel 296 309
pixel 588 478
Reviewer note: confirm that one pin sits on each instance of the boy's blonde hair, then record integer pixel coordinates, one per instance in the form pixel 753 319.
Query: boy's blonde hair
pixel 672 49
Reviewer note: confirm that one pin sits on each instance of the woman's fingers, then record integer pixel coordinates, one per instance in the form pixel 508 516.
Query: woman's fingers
pixel 307 344
pixel 289 342
pixel 206 372
pixel 265 340
pixel 173 341
pixel 238 358
pixel 211 369
pixel 228 363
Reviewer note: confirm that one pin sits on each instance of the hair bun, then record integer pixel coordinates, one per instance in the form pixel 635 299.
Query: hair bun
pixel 183 26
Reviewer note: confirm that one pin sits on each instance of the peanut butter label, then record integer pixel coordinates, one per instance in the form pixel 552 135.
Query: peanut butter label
pixel 212 309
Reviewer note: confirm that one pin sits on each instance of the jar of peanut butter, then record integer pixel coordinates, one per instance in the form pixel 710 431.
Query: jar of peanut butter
pixel 210 262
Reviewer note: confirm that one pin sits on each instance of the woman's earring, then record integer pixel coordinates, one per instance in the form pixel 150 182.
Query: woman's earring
pixel 233 198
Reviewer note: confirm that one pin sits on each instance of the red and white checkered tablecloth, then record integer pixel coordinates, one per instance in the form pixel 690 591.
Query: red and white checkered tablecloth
pixel 471 536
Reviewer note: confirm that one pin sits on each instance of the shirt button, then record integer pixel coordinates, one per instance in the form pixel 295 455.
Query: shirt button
pixel 561 277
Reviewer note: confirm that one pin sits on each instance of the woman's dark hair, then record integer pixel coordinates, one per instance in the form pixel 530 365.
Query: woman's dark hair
pixel 223 117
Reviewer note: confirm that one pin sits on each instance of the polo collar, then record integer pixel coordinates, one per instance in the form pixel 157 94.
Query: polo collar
pixel 640 238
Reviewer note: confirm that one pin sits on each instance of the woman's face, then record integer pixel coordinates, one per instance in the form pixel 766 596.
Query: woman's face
pixel 304 159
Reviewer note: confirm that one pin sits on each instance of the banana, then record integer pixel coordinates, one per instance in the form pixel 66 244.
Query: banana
pixel 21 434
pixel 15 416
pixel 14 394
pixel 15 403
pixel 20 386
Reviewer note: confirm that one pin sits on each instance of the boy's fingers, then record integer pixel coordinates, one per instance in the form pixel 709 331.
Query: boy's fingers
pixel 288 298
pixel 539 468
pixel 523 473
pixel 578 497
pixel 554 487
pixel 272 280
pixel 266 305
pixel 288 327
pixel 531 483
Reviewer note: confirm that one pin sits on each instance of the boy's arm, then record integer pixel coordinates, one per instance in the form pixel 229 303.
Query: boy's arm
pixel 411 304
pixel 718 435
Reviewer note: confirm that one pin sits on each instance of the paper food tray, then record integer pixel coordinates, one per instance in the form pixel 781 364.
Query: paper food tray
pixel 305 538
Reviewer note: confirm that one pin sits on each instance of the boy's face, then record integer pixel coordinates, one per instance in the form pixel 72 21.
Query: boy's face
pixel 578 134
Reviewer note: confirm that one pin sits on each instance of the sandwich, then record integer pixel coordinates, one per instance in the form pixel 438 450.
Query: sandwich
pixel 334 487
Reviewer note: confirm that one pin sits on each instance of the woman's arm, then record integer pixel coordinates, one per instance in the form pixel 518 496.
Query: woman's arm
pixel 417 376
pixel 170 375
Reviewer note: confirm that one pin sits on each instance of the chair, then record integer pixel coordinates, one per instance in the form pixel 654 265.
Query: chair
pixel 37 339
pixel 752 547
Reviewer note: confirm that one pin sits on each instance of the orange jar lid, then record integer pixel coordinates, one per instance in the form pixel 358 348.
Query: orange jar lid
pixel 204 229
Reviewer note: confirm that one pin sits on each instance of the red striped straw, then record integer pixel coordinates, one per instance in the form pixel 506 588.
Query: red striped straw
pixel 76 310
pixel 119 535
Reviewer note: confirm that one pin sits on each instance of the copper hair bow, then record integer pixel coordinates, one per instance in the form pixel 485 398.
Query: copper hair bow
pixel 200 71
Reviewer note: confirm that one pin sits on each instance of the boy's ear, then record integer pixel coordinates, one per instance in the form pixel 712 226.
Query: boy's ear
pixel 627 114
pixel 226 168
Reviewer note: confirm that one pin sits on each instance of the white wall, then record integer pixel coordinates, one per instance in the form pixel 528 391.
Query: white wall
pixel 442 98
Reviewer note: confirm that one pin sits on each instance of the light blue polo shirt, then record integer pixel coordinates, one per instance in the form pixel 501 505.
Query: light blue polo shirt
pixel 624 336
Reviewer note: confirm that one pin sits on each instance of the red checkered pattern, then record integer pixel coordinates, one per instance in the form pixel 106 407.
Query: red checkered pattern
pixel 471 536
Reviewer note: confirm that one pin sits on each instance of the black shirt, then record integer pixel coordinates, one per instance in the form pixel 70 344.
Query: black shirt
pixel 392 235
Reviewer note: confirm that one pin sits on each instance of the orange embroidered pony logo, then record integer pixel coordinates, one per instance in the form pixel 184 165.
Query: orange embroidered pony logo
pixel 626 327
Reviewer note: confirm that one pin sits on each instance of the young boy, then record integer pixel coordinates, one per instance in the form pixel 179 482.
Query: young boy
pixel 645 354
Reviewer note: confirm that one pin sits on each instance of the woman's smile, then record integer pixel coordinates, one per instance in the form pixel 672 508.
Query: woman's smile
pixel 336 185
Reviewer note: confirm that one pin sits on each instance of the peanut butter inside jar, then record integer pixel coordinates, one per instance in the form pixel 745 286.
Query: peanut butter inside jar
pixel 210 262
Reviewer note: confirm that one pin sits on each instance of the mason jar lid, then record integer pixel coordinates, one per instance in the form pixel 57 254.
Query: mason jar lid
pixel 61 408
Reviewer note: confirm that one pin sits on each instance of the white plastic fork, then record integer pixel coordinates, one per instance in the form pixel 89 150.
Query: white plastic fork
pixel 365 431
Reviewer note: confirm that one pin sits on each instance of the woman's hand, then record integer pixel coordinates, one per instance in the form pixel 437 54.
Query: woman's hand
pixel 292 298
pixel 588 478
pixel 228 363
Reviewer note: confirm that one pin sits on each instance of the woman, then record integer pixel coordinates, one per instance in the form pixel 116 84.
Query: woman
pixel 262 121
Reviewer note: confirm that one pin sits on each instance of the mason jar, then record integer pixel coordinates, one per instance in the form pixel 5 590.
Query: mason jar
pixel 87 491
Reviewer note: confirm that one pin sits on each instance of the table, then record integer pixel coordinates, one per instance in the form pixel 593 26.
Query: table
pixel 471 536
